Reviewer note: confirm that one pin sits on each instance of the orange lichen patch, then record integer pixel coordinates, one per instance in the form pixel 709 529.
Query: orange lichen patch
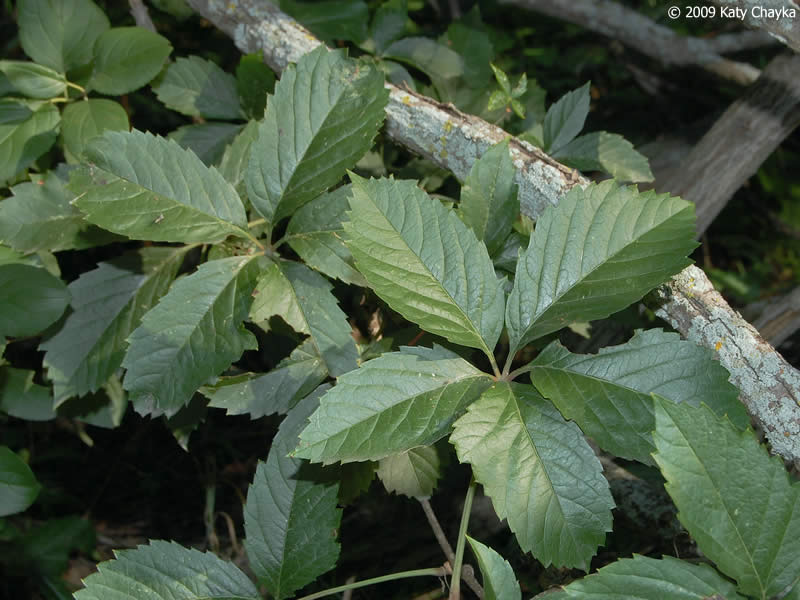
pixel 717 346
pixel 407 100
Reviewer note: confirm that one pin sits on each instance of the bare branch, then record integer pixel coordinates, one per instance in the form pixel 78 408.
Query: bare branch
pixel 454 140
pixel 780 318
pixel 648 37
pixel 780 18
pixel 140 15
pixel 740 141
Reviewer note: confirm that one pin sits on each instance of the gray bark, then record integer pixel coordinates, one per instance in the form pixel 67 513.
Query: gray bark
pixel 648 37
pixel 780 318
pixel 740 141
pixel 454 140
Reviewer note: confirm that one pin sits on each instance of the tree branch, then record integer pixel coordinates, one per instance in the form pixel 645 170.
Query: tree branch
pixel 648 37
pixel 740 141
pixel 454 141
pixel 140 15
pixel 783 27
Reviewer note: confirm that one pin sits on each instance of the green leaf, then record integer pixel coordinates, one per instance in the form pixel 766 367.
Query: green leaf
pixel 207 140
pixel 23 399
pixel 290 520
pixel 18 486
pixel 194 333
pixel 644 578
pixel 22 142
pixel 331 19
pixel 274 392
pixel 167 571
pixel 315 233
pixel 438 62
pixel 107 305
pixel 564 119
pixel 126 58
pixel 539 471
pixel 49 545
pixel 233 165
pixel 609 152
pixel 424 262
pixel 608 394
pixel 304 300
pixel 13 111
pixel 499 581
pixel 138 191
pixel 595 253
pixel 321 120
pixel 736 501
pixel 391 404
pixel 197 87
pixel 254 80
pixel 476 51
pixel 31 299
pixel 508 255
pixel 82 121
pixel 32 80
pixel 497 100
pixel 39 216
pixel 389 23
pixel 60 34
pixel 502 80
pixel 489 203
pixel 413 473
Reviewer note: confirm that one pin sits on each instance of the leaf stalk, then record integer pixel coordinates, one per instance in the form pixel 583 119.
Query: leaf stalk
pixel 432 572
pixel 455 580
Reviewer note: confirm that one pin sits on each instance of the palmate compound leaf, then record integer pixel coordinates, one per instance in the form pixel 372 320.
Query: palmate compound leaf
pixel 107 305
pixel 391 404
pixel 644 578
pixel 736 501
pixel 268 393
pixel 315 232
pixel 601 249
pixel 167 571
pixel 321 120
pixel 22 141
pixel 499 581
pixel 608 394
pixel 424 262
pixel 150 188
pixel 290 519
pixel 539 471
pixel 489 203
pixel 304 300
pixel 194 333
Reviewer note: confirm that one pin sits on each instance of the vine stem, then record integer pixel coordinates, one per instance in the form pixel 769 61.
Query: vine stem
pixel 432 572
pixel 455 581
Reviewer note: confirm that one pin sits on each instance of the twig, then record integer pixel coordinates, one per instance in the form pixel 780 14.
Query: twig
pixel 453 141
pixel 467 572
pixel 780 318
pixel 140 15
pixel 784 27
pixel 739 141
pixel 648 37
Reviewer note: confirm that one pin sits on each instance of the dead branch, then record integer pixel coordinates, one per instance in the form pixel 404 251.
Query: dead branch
pixel 780 318
pixel 740 141
pixel 648 37
pixel 767 16
pixel 140 15
pixel 770 387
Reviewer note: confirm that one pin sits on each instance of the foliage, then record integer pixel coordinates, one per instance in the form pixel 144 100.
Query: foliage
pixel 257 222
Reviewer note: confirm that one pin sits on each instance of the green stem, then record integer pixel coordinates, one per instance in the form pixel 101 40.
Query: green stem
pixel 455 581
pixel 507 366
pixel 432 572
pixel 493 362
pixel 256 223
pixel 517 372
pixel 81 89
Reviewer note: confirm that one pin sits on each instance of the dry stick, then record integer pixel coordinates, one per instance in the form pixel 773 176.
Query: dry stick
pixel 140 15
pixel 770 386
pixel 648 37
pixel 467 572
pixel 739 141
pixel 780 318
pixel 773 16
